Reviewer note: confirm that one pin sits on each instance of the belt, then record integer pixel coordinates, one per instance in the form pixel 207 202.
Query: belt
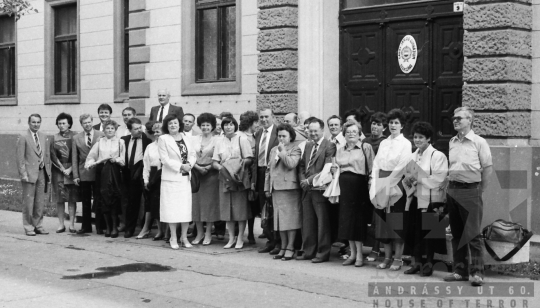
pixel 454 184
pixel 185 174
pixel 322 188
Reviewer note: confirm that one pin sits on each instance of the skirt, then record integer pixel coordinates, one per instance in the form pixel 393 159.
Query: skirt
pixel 355 209
pixel 175 201
pixel 206 202
pixel 391 226
pixel 154 193
pixel 109 179
pixel 63 192
pixel 431 237
pixel 287 209
pixel 233 205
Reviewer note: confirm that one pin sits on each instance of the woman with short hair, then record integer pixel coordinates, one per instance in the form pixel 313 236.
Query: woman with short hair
pixel 63 188
pixel 283 186
pixel 386 191
pixel 177 155
pixel 233 151
pixel 425 173
pixel 205 201
pixel 107 155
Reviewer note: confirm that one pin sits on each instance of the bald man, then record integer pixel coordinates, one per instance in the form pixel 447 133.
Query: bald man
pixel 293 120
pixel 158 113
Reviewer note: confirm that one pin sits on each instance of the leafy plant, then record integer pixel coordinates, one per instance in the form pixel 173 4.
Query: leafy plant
pixel 18 8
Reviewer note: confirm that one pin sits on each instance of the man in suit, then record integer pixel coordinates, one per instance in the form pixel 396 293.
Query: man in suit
pixel 315 221
pixel 82 144
pixel 136 144
pixel 34 164
pixel 104 113
pixel 158 113
pixel 265 140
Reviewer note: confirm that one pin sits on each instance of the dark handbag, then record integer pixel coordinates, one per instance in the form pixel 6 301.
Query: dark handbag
pixel 252 195
pixel 266 214
pixel 505 231
pixel 155 179
pixel 195 181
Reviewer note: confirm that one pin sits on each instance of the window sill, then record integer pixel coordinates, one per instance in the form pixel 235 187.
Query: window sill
pixel 212 88
pixel 121 97
pixel 62 99
pixel 8 101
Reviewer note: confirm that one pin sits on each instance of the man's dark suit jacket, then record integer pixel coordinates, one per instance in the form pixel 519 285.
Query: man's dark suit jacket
pixel 324 155
pixel 137 171
pixel 97 126
pixel 154 112
pixel 274 141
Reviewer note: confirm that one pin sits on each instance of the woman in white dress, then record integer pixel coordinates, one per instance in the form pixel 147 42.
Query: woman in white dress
pixel 386 191
pixel 177 155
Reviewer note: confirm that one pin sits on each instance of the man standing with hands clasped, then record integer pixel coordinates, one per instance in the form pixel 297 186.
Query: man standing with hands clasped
pixel 469 173
pixel 34 164
pixel 136 144
pixel 82 144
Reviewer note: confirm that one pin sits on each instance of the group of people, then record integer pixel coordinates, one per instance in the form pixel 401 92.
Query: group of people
pixel 232 171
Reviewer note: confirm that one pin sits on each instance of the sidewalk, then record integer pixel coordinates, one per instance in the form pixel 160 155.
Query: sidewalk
pixel 34 272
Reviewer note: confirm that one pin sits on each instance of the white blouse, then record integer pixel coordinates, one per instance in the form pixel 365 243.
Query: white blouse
pixel 151 159
pixel 106 149
pixel 431 170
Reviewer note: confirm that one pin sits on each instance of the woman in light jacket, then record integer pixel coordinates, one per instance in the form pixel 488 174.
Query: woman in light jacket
pixel 177 155
pixel 386 191
pixel 282 185
pixel 426 173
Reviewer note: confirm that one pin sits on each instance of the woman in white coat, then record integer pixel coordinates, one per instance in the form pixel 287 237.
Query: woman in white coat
pixel 178 156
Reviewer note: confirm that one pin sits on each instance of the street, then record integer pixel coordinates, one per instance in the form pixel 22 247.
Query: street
pixel 56 270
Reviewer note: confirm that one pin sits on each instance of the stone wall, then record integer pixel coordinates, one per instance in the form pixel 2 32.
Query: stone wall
pixel 497 70
pixel 277 82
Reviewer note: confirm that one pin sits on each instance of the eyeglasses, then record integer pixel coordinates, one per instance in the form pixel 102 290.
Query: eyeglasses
pixel 458 119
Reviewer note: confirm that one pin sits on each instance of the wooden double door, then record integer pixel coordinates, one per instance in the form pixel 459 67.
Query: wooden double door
pixel 372 80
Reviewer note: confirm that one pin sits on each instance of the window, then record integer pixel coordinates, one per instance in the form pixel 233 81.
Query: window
pixel 121 50
pixel 216 40
pixel 211 46
pixel 65 50
pixel 7 57
pixel 125 47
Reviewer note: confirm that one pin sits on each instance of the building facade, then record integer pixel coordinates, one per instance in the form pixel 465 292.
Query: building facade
pixel 321 56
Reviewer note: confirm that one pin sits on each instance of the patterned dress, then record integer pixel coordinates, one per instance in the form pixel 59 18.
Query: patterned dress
pixel 63 187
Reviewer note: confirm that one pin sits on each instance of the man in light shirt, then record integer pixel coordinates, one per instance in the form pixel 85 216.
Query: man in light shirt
pixel 104 113
pixel 189 122
pixel 127 114
pixel 469 173
pixel 334 126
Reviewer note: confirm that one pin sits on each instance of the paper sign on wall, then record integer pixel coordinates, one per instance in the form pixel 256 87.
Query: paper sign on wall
pixel 407 54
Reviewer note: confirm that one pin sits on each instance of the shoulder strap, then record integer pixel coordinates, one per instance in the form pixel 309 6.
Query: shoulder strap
pixel 430 171
pixel 240 147
pixel 365 158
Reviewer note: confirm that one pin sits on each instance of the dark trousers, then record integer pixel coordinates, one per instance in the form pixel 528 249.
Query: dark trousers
pixel 333 215
pixel 134 190
pixel 316 235
pixel 465 209
pixel 89 189
pixel 272 236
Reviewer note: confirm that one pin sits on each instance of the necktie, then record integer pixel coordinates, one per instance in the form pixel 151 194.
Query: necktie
pixel 313 155
pixel 88 140
pixel 262 150
pixel 160 119
pixel 133 150
pixel 40 153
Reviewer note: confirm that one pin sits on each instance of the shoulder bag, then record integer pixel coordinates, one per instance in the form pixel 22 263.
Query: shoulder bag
pixel 505 231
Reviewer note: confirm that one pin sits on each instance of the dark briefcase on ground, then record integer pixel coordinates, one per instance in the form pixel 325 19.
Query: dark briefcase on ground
pixel 505 231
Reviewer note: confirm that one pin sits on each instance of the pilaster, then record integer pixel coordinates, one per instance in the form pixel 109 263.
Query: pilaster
pixel 139 55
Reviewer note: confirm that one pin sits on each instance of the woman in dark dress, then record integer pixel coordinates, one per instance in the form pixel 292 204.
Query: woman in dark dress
pixel 107 156
pixel 426 174
pixel 354 162
pixel 386 190
pixel 63 188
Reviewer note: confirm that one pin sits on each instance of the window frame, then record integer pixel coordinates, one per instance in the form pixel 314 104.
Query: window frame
pixel 12 100
pixel 50 55
pixel 190 86
pixel 121 55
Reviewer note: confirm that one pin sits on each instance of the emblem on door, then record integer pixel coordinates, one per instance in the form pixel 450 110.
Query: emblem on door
pixel 407 54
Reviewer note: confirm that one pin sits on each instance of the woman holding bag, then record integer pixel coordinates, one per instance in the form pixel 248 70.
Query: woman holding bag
pixel 354 161
pixel 426 173
pixel 177 155
pixel 233 201
pixel 282 185
pixel 205 201
pixel 386 191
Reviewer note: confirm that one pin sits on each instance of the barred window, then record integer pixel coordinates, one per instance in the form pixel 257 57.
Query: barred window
pixel 215 40
pixel 7 57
